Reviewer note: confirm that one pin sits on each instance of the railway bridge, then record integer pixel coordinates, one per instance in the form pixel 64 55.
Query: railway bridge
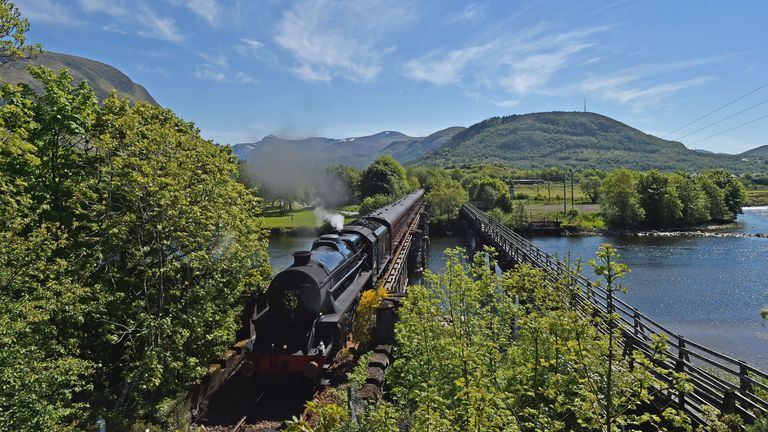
pixel 719 381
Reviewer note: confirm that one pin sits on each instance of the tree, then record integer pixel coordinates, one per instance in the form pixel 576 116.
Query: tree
pixel 734 192
pixel 659 200
pixel 127 245
pixel 591 187
pixel 489 190
pixel 338 185
pixel 695 206
pixel 715 198
pixel 445 200
pixel 621 202
pixel 385 176
pixel 13 34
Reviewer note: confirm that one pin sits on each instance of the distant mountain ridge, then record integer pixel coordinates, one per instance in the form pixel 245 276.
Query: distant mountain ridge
pixel 572 139
pixel 102 77
pixel 761 151
pixel 578 140
pixel 318 151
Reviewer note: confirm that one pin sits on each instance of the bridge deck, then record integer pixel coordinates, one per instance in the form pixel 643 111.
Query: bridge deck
pixel 735 387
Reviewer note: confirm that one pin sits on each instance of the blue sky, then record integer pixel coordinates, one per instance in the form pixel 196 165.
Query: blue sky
pixel 242 69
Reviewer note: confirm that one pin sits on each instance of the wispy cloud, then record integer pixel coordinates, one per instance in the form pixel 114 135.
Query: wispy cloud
pixel 470 13
pixel 137 18
pixel 444 68
pixel 46 11
pixel 519 63
pixel 625 89
pixel 338 39
pixel 248 46
pixel 218 59
pixel 206 9
pixel 507 103
pixel 157 27
pixel 207 72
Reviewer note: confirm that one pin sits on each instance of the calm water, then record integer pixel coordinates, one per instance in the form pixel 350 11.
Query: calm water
pixel 709 289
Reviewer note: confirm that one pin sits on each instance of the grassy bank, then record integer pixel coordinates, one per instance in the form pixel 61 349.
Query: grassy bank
pixel 304 219
pixel 757 197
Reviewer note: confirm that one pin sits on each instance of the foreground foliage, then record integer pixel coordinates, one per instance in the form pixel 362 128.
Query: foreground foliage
pixel 126 242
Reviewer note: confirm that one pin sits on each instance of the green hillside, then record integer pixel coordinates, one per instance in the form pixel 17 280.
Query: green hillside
pixel 102 78
pixel 573 139
pixel 406 151
pixel 761 152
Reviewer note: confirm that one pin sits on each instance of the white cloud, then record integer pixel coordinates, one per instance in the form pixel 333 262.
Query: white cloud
pixel 157 27
pixel 218 59
pixel 519 63
pixel 114 8
pixel 625 89
pixel 138 17
pixel 206 9
pixel 248 46
pixel 443 69
pixel 211 73
pixel 508 103
pixel 471 12
pixel 47 11
pixel 339 39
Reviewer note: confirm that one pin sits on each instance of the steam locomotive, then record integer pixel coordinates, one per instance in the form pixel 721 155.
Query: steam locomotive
pixel 310 306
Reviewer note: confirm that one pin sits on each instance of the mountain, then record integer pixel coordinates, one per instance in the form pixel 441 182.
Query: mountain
pixel 103 78
pixel 571 139
pixel 406 151
pixel 318 152
pixel 761 151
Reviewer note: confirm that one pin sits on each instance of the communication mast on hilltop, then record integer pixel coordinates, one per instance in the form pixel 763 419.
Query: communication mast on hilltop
pixel 585 104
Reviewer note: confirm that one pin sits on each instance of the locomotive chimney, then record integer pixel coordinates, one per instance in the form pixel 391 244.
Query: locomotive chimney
pixel 301 258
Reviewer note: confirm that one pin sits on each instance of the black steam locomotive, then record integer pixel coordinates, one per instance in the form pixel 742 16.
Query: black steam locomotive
pixel 310 306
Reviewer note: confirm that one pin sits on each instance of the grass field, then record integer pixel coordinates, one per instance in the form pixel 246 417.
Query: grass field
pixel 758 197
pixel 551 193
pixel 298 219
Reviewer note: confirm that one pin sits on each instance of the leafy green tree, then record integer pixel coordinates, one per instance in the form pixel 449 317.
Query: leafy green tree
pixel 445 200
pixel 621 202
pixel 489 190
pixel 695 206
pixel 13 34
pixel 128 245
pixel 735 194
pixel 659 199
pixel 385 176
pixel 374 202
pixel 715 198
pixel 591 187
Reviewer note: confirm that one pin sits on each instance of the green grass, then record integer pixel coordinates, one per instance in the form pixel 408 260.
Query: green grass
pixel 551 194
pixel 757 197
pixel 298 219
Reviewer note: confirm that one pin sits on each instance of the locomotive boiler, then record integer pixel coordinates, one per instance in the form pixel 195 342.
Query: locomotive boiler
pixel 310 306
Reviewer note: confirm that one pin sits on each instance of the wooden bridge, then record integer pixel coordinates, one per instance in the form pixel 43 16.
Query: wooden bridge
pixel 719 381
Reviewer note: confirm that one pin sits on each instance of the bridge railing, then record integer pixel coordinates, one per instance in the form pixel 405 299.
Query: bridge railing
pixel 719 381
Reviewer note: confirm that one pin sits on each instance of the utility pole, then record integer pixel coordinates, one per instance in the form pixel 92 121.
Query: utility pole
pixel 549 192
pixel 572 189
pixel 565 192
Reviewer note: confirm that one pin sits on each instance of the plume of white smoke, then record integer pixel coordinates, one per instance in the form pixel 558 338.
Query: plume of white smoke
pixel 335 219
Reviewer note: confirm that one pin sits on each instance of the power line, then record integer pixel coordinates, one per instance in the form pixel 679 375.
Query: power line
pixel 716 110
pixel 723 119
pixel 728 130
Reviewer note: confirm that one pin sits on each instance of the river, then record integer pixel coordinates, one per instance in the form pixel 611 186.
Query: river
pixel 709 289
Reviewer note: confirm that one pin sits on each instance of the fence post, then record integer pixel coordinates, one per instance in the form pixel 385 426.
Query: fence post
pixel 680 367
pixel 744 384
pixel 729 402
pixel 636 322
